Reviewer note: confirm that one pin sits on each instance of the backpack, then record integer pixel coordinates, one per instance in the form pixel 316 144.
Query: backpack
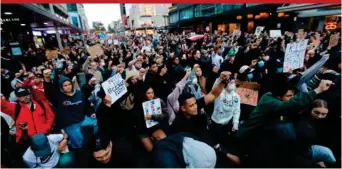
pixel 18 108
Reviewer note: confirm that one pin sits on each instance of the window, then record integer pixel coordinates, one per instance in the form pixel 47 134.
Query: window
pixel 198 12
pixel 146 10
pixel 174 17
pixel 74 20
pixel 186 13
pixel 72 7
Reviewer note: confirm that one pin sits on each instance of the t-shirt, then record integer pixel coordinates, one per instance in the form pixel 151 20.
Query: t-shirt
pixel 33 161
pixel 196 125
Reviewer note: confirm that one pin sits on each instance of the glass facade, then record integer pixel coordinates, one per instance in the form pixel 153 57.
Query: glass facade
pixel 186 13
pixel 74 21
pixel 72 7
pixel 174 17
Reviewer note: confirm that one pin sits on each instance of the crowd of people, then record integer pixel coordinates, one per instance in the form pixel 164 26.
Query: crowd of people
pixel 55 112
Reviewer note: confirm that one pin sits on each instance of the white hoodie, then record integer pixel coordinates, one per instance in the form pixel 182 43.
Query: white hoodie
pixel 227 106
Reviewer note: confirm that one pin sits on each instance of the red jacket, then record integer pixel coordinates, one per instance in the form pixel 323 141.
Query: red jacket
pixel 37 122
pixel 38 92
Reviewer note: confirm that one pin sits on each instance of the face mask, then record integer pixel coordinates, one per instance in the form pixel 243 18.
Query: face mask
pixel 279 70
pixel 250 76
pixel 194 81
pixel 231 87
pixel 266 58
pixel 261 64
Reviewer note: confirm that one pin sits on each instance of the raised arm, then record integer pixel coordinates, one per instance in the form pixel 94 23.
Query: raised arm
pixel 215 92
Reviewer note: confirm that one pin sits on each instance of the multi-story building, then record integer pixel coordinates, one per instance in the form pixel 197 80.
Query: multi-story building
pixel 77 16
pixel 35 25
pixel 225 17
pixel 144 18
pixel 315 17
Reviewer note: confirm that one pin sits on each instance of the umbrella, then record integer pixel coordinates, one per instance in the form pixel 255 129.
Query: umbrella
pixel 195 37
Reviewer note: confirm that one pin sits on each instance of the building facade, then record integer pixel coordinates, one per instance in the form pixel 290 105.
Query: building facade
pixel 148 17
pixel 314 17
pixel 225 17
pixel 35 25
pixel 77 16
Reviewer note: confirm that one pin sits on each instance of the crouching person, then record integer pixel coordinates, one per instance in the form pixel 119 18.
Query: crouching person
pixel 71 114
pixel 48 152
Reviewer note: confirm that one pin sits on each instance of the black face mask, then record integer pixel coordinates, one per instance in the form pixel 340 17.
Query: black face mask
pixel 46 158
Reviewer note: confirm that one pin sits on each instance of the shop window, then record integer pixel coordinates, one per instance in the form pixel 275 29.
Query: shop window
pixel 221 27
pixel 250 26
pixel 186 14
pixel 232 27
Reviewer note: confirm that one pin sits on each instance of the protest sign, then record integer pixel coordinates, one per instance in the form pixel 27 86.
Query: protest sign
pixel 95 50
pixel 116 42
pixel 334 40
pixel 258 30
pixel 248 92
pixel 300 34
pixel 51 54
pixel 247 96
pixel 294 55
pixel 16 51
pixel 110 41
pixel 115 87
pixel 152 107
pixel 156 37
pixel 275 33
pixel 236 32
pixel 102 41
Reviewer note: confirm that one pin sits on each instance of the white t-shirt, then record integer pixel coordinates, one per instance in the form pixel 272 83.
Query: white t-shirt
pixel 33 161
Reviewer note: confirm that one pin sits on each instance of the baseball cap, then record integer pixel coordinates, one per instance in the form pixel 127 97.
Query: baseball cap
pixel 20 92
pixel 40 145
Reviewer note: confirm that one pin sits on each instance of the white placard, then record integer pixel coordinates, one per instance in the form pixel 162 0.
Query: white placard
pixel 258 30
pixel 275 33
pixel 152 107
pixel 115 87
pixel 294 55
pixel 110 41
pixel 156 36
pixel 116 42
pixel 236 32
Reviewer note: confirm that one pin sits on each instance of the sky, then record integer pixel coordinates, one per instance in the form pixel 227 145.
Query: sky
pixel 106 13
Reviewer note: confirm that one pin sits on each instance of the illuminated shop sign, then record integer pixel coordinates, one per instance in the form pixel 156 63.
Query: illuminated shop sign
pixel 330 25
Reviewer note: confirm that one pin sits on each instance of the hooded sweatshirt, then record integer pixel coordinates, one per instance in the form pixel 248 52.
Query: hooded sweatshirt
pixel 70 109
pixel 227 106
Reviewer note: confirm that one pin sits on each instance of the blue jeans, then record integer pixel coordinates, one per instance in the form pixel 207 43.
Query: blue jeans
pixel 321 153
pixel 75 134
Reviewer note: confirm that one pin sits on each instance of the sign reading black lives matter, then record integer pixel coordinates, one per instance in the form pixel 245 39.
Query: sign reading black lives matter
pixel 294 55
pixel 115 87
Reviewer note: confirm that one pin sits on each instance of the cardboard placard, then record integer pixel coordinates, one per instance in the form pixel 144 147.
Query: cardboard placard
pixel 95 50
pixel 152 107
pixel 294 55
pixel 115 87
pixel 275 33
pixel 247 96
pixel 258 30
pixel 51 54
pixel 334 40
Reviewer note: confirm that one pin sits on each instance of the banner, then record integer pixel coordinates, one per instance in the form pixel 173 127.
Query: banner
pixel 294 55
pixel 334 40
pixel 95 50
pixel 152 107
pixel 258 30
pixel 275 33
pixel 115 87
pixel 51 54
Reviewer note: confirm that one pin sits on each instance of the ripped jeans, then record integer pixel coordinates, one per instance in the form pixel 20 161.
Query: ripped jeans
pixel 321 153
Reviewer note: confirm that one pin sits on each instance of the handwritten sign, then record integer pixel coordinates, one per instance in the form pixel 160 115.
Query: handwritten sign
pixel 152 107
pixel 258 30
pixel 110 41
pixel 115 87
pixel 334 40
pixel 275 33
pixel 294 55
pixel 51 54
pixel 95 50
pixel 247 96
